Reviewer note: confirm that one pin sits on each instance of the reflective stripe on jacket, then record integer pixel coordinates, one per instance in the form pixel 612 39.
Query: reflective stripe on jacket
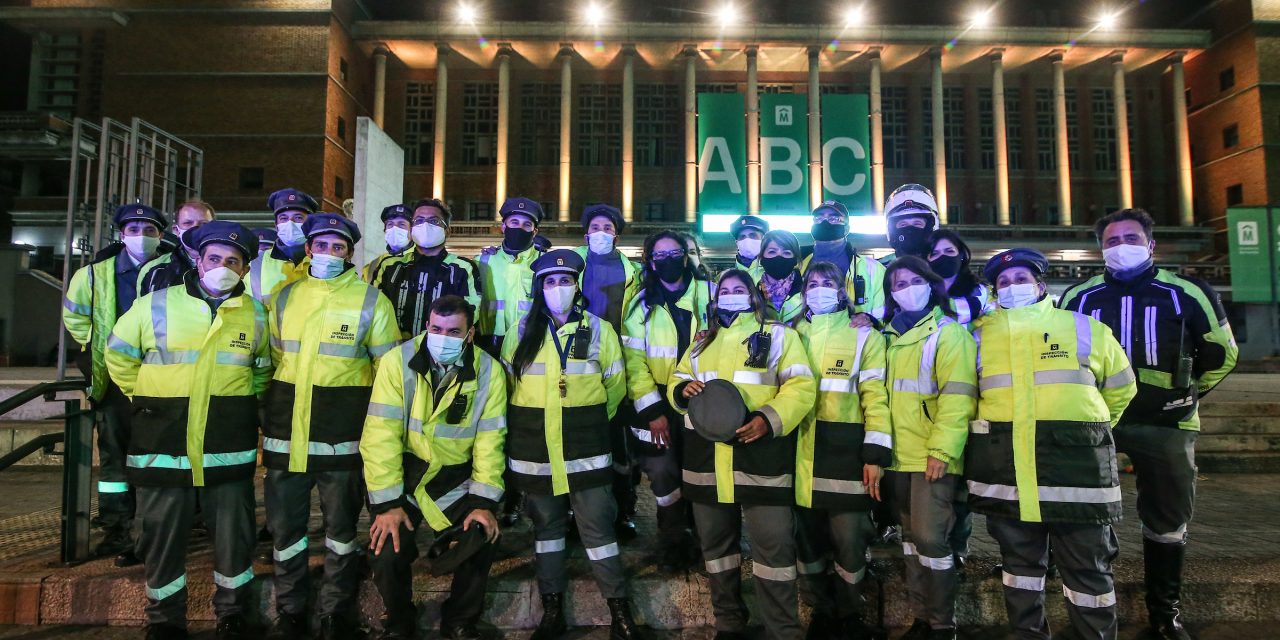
pixel 268 273
pixel 89 313
pixel 508 290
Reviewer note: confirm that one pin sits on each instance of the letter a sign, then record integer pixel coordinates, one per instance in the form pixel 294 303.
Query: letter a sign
pixel 722 154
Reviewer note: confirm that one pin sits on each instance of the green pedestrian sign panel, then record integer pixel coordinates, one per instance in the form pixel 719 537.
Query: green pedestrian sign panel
pixel 1251 237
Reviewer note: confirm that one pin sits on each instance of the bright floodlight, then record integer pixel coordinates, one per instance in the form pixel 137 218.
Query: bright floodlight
pixel 981 19
pixel 852 15
pixel 1108 20
pixel 594 13
pixel 727 14
pixel 466 13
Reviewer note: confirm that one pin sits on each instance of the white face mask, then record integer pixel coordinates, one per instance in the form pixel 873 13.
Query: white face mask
pixel 600 242
pixel 427 235
pixel 914 297
pixel 822 300
pixel 140 247
pixel 220 279
pixel 1018 295
pixel 1124 257
pixel 560 299
pixel 325 266
pixel 397 238
pixel 444 349
pixel 749 248
pixel 290 233
pixel 734 302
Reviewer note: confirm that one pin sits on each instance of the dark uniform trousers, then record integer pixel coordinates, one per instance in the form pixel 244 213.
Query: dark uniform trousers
pixel 1083 554
pixel 927 512
pixel 845 533
pixel 663 469
pixel 1164 460
pixel 393 575
pixel 771 531
pixel 595 511
pixel 288 498
pixel 116 499
pixel 165 515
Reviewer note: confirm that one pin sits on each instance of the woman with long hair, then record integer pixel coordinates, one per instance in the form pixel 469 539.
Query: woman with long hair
pixel 750 477
pixel 782 284
pixel 932 382
pixel 949 257
pixel 567 380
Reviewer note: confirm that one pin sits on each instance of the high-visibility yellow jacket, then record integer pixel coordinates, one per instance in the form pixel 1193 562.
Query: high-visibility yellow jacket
pixel 431 445
pixel 650 343
pixel 849 425
pixel 508 289
pixel 1053 383
pixel 326 337
pixel 973 306
pixel 272 270
pixel 864 283
pixel 560 444
pixel 374 270
pixel 194 377
pixel 783 392
pixel 89 312
pixel 932 382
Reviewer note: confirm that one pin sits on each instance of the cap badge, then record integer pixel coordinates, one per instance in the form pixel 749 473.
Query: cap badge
pixel 333 222
pixel 292 197
pixel 559 262
pixel 233 235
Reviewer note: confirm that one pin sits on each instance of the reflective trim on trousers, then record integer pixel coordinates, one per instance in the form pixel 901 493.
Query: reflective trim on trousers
pixel 341 548
pixel 669 499
pixel 643 435
pixel 549 546
pixel 1173 537
pixel 776 574
pixel 168 589
pixel 233 582
pixel 908 548
pixel 283 555
pixel 1026 583
pixel 1087 601
pixel 811 568
pixel 603 552
pixel 727 563
pixel 851 577
pixel 937 564
pixel 112 487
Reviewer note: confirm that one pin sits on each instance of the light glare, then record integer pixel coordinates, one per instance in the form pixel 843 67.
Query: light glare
pixel 466 13
pixel 852 16
pixel 595 13
pixel 727 15
pixel 981 19
pixel 1108 20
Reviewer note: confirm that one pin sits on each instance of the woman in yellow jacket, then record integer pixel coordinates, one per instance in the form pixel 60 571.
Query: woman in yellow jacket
pixel 781 284
pixel 932 380
pixel 751 477
pixel 844 444
pixel 567 380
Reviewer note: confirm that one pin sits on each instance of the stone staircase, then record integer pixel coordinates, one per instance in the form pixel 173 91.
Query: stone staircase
pixel 1239 437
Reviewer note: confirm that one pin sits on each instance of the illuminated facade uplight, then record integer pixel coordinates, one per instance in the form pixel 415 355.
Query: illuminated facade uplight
pixel 1108 20
pixel 981 18
pixel 853 16
pixel 594 13
pixel 727 15
pixel 466 13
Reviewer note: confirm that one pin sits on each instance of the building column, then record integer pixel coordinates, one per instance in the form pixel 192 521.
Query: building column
pixel 877 135
pixel 1063 150
pixel 1124 172
pixel 1001 138
pixel 628 131
pixel 379 85
pixel 1182 143
pixel 939 142
pixel 566 128
pixel 442 123
pixel 690 134
pixel 815 130
pixel 753 131
pixel 504 124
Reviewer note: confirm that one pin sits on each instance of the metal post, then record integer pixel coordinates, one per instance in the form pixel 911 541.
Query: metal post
pixel 76 471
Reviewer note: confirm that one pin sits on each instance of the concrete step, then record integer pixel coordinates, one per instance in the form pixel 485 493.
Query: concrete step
pixel 15 433
pixel 1238 461
pixel 1238 443
pixel 1239 425
pixel 1226 409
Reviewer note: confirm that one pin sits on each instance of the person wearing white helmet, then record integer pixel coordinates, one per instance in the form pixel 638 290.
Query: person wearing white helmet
pixel 911 215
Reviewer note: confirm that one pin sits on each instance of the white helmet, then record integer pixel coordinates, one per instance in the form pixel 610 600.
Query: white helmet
pixel 911 200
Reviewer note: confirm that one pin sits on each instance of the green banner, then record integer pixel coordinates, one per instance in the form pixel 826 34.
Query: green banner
pixel 784 154
pixel 722 154
pixel 846 152
pixel 1252 250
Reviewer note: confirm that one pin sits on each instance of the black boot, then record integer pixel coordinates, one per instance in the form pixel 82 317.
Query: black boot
pixel 822 627
pixel 552 625
pixel 622 626
pixel 919 630
pixel 855 628
pixel 289 626
pixel 401 626
pixel 1162 563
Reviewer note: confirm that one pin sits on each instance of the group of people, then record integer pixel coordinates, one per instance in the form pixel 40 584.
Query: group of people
pixel 456 394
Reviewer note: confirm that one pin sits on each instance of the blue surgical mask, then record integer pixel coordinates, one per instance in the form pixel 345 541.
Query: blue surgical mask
pixel 325 266
pixel 1018 295
pixel 445 349
pixel 290 233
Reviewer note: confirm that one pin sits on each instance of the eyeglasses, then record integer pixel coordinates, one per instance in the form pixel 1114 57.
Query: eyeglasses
pixel 674 253
pixel 439 222
pixel 829 216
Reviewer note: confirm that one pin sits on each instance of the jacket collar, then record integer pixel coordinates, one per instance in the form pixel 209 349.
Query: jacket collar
pixel 922 329
pixel 1140 281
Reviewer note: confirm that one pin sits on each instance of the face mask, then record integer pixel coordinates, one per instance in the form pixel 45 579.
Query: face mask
pixel 397 238
pixel 444 349
pixel 914 297
pixel 220 279
pixel 734 302
pixel 1018 295
pixel 325 266
pixel 516 239
pixel 749 248
pixel 560 299
pixel 428 236
pixel 910 241
pixel 669 270
pixel 289 233
pixel 822 300
pixel 600 242
pixel 140 247
pixel 1124 257
pixel 945 265
pixel 828 231
pixel 778 267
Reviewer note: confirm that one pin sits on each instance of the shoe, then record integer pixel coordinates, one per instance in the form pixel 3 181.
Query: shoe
pixel 461 632
pixel 855 628
pixel 127 558
pixel 622 626
pixel 513 509
pixel 1162 563
pixel 165 632
pixel 890 536
pixel 264 535
pixel 336 627
pixel 289 626
pixel 625 528
pixel 112 546
pixel 942 634
pixel 552 625
pixel 919 631
pixel 231 628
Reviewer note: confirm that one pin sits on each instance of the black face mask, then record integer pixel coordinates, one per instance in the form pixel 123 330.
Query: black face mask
pixel 778 267
pixel 828 231
pixel 516 238
pixel 910 241
pixel 945 265
pixel 669 270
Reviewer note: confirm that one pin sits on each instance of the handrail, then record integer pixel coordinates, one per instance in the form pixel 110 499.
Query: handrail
pixel 43 390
